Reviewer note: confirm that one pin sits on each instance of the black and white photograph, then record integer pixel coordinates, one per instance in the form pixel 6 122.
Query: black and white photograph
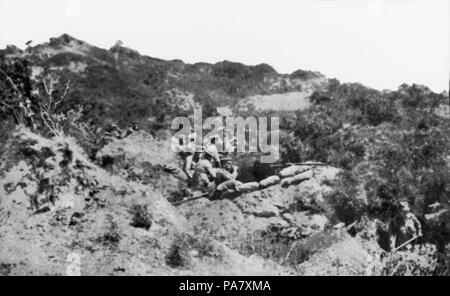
pixel 224 138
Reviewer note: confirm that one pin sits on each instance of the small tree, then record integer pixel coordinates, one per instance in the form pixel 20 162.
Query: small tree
pixel 50 101
pixel 28 107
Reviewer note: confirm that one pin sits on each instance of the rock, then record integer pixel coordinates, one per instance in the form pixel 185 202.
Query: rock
pixel 265 214
pixel 312 191
pixel 66 200
pixel 75 219
pixel 42 210
pixel 304 219
pixel 9 187
pixel 306 231
pixel 171 168
pixel 291 232
pixel 272 180
pixel 122 190
pixel 137 171
pixel 326 173
pixel 318 222
pixel 297 179
pixel 339 225
pixel 258 204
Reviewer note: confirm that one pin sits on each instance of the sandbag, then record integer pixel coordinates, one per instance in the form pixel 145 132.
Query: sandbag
pixel 228 185
pixel 297 178
pixel 227 189
pixel 270 181
pixel 293 170
pixel 248 187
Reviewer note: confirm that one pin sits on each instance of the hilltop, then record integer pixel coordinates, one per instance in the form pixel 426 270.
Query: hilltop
pixel 122 85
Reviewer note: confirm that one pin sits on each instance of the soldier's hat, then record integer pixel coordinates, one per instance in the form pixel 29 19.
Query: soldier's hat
pixel 210 150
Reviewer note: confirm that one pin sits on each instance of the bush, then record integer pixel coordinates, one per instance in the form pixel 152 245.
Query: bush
pixel 305 75
pixel 421 260
pixel 345 207
pixel 379 110
pixel 443 267
pixel 319 97
pixel 269 244
pixel 177 256
pixel 141 218
pixel 185 247
pixel 112 236
pixel 418 96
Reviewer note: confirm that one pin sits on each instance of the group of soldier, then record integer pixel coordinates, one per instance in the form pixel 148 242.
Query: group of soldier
pixel 207 169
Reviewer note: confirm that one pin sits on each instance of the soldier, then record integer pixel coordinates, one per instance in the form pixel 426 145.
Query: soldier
pixel 404 226
pixel 227 171
pixel 186 150
pixel 204 173
pixel 412 225
pixel 226 178
pixel 212 146
pixel 190 156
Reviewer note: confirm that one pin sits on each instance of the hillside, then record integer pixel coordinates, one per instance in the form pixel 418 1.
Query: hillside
pixel 59 210
pixel 81 196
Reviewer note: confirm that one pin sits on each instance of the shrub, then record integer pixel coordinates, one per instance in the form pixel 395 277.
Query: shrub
pixel 379 110
pixel 177 256
pixel 185 247
pixel 420 260
pixel 305 75
pixel 443 267
pixel 319 97
pixel 140 217
pixel 418 96
pixel 345 207
pixel 112 236
pixel 6 268
pixel 269 244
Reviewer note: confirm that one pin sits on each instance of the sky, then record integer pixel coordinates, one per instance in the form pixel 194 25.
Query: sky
pixel 380 43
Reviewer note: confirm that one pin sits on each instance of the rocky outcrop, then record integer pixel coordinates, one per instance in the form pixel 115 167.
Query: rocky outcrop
pixel 140 158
